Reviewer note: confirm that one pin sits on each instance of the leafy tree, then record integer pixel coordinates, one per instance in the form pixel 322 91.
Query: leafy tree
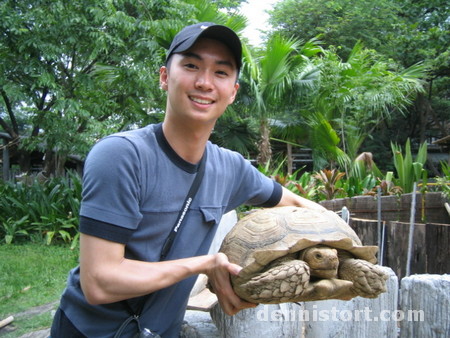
pixel 357 95
pixel 74 71
pixel 230 5
pixel 423 36
pixel 339 23
pixel 405 31
pixel 54 57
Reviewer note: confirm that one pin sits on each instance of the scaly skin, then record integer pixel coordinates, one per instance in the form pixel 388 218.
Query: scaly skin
pixel 285 280
pixel 368 279
pixel 324 273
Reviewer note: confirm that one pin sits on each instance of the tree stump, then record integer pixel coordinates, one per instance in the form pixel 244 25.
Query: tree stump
pixel 425 305
pixel 263 321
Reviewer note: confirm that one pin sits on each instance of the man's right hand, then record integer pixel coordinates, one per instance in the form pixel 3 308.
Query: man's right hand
pixel 219 278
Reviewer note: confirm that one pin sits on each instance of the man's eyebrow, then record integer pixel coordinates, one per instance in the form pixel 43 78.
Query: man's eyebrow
pixel 191 55
pixel 198 57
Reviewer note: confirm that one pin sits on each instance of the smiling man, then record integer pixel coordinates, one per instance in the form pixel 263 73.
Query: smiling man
pixel 144 233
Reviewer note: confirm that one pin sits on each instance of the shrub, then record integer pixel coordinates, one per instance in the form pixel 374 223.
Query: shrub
pixel 40 211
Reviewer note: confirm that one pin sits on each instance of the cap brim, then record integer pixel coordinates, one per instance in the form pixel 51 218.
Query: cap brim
pixel 216 32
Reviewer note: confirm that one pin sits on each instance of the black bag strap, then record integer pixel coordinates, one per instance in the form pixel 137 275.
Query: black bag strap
pixel 187 202
pixel 171 238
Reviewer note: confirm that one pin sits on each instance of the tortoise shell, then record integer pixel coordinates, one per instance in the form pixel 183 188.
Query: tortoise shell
pixel 267 234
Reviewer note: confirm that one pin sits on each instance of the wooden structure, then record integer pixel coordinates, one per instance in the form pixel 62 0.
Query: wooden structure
pixel 444 143
pixel 9 161
pixel 430 245
pixel 430 207
pixel 431 236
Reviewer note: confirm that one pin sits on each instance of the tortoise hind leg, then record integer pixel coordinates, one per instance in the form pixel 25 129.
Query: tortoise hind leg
pixel 283 281
pixel 368 279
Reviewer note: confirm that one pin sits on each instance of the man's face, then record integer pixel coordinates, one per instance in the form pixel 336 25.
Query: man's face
pixel 200 82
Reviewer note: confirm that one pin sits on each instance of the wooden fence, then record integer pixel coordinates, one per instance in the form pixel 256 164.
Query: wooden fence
pixel 430 250
pixel 431 238
pixel 429 207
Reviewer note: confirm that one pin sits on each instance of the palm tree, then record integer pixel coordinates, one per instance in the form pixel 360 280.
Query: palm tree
pixel 269 77
pixel 357 95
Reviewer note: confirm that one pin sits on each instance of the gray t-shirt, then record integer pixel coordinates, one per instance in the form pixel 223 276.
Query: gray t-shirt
pixel 134 186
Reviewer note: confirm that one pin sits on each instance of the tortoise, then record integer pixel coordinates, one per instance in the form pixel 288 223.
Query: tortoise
pixel 292 254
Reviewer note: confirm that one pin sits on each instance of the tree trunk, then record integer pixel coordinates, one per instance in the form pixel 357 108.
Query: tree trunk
pixel 265 150
pixel 53 164
pixel 290 163
pixel 422 108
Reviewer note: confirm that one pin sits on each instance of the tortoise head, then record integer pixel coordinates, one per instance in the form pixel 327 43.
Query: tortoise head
pixel 322 260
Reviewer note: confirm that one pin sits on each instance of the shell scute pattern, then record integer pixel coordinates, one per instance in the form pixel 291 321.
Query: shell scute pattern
pixel 269 244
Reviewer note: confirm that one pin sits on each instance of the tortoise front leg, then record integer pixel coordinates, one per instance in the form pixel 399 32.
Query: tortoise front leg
pixel 368 279
pixel 283 281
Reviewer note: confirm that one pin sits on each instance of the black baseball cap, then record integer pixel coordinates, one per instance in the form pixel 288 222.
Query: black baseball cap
pixel 186 38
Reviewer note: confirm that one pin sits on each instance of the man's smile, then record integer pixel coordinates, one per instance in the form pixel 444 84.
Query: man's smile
pixel 201 101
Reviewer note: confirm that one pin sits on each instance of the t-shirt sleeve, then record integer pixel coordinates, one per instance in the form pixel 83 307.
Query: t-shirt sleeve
pixel 105 230
pixel 253 187
pixel 111 183
pixel 274 198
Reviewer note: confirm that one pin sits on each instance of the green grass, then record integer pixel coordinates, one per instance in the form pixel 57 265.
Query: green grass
pixel 32 275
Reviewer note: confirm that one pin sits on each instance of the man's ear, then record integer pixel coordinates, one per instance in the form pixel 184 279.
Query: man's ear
pixel 163 77
pixel 233 96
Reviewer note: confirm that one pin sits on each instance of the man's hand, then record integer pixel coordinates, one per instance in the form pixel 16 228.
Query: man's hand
pixel 288 198
pixel 219 278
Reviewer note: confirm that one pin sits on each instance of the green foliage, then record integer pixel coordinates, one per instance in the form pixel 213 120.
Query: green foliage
pixel 408 170
pixel 338 23
pixel 364 178
pixel 406 44
pixel 325 142
pixel 330 183
pixel 235 133
pixel 305 186
pixel 14 228
pixel 272 78
pixel 444 181
pixel 358 95
pixel 387 186
pixel 79 70
pixel 228 4
pixel 47 210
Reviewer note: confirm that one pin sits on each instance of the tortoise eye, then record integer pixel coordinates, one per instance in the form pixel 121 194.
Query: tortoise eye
pixel 318 255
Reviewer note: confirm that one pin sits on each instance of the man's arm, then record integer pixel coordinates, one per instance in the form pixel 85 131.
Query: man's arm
pixel 292 199
pixel 107 276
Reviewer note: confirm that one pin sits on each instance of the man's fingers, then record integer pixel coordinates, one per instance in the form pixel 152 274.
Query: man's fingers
pixel 220 280
pixel 232 308
pixel 234 269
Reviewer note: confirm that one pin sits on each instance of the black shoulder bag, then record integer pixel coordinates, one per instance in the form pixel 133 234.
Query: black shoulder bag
pixel 134 315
